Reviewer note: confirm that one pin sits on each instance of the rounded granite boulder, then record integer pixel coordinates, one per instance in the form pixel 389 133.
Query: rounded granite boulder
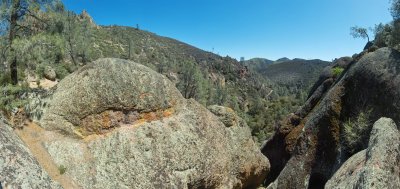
pixel 122 125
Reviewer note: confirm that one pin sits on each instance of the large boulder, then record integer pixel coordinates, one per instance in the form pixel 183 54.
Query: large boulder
pixel 378 166
pixel 118 124
pixel 18 167
pixel 49 73
pixel 309 146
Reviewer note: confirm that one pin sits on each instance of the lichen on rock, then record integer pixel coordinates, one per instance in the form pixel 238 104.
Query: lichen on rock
pixel 122 125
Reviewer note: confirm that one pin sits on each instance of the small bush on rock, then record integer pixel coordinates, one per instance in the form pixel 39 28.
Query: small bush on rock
pixel 337 71
pixel 12 97
pixel 355 132
pixel 62 169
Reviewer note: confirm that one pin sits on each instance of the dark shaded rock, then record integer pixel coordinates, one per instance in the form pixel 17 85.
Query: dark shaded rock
pixel 325 74
pixel 314 98
pixel 314 149
pixel 342 62
pixel 368 45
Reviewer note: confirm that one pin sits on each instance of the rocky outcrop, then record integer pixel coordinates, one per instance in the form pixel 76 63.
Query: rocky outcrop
pixel 118 124
pixel 49 73
pixel 227 116
pixel 18 168
pixel 84 16
pixel 308 147
pixel 376 167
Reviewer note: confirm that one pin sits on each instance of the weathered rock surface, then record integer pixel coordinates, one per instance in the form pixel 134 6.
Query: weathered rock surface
pixel 122 125
pixel 307 148
pixel 376 167
pixel 106 94
pixel 49 73
pixel 227 116
pixel 18 168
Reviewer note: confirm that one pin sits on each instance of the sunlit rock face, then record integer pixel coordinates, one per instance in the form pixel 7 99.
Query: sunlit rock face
pixel 118 124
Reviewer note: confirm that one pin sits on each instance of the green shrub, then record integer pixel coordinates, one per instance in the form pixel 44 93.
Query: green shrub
pixel 40 70
pixel 62 70
pixel 355 132
pixel 337 71
pixel 5 78
pixel 62 169
pixel 13 96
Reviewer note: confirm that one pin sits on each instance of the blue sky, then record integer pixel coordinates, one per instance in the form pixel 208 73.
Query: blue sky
pixel 250 28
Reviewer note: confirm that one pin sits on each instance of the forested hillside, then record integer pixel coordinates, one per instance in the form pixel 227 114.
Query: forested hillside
pixel 297 75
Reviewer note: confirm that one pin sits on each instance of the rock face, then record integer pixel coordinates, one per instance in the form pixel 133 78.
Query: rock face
pixel 121 125
pixel 376 167
pixel 227 116
pixel 18 168
pixel 108 94
pixel 308 147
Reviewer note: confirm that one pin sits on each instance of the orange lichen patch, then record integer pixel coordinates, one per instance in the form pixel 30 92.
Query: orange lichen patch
pixel 104 122
pixel 291 138
pixel 157 115
pixel 100 122
pixel 150 116
pixel 139 122
pixel 168 112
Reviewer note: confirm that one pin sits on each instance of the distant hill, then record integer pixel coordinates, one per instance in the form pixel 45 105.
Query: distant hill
pixel 297 71
pixel 296 75
pixel 258 63
pixel 284 59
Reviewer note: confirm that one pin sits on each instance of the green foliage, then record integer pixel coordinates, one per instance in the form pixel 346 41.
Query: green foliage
pixel 5 78
pixel 395 9
pixel 337 71
pixel 13 96
pixel 395 35
pixel 382 35
pixel 389 34
pixel 359 32
pixel 62 169
pixel 356 131
pixel 192 83
pixel 293 79
pixel 62 70
pixel 40 70
pixel 41 48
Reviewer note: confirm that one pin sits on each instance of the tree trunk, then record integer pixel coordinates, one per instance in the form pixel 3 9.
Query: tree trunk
pixel 13 33
pixel 71 46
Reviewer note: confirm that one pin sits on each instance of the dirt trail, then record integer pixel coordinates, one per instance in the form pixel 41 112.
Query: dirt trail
pixel 33 137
